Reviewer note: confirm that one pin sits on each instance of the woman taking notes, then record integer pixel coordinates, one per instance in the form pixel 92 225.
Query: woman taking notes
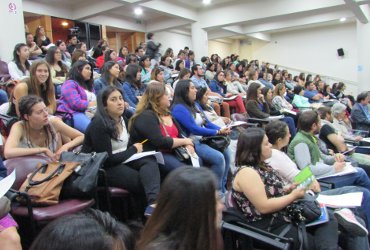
pixel 108 132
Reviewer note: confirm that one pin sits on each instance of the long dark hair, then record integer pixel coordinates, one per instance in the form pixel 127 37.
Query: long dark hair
pixel 102 113
pixel 200 94
pixel 181 95
pixel 91 229
pixel 252 91
pixel 16 59
pixel 75 75
pixel 187 198
pixel 50 58
pixel 107 55
pixel 248 149
pixel 105 72
pixel 131 71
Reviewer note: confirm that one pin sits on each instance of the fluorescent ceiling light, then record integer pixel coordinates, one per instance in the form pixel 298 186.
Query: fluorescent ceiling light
pixel 138 11
pixel 206 2
pixel 343 19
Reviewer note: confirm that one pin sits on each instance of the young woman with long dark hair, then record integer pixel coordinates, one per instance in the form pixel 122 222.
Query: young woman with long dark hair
pixel 113 138
pixel 191 117
pixel 132 87
pixel 19 67
pixel 261 195
pixel 77 94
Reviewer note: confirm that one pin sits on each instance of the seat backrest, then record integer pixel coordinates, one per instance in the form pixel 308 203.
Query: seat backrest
pixel 229 201
pixel 23 166
pixel 239 117
pixel 4 68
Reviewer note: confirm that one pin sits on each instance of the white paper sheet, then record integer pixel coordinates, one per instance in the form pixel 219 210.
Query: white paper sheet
pixel 348 169
pixel 341 200
pixel 158 156
pixel 6 183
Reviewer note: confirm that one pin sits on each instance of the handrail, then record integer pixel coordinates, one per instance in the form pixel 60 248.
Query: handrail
pixel 352 86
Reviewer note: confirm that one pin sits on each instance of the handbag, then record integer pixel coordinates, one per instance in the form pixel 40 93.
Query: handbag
pixel 180 152
pixel 45 183
pixel 83 181
pixel 218 142
pixel 6 123
pixel 305 210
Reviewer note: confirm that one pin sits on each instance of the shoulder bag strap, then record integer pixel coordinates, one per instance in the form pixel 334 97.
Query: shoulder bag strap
pixel 56 172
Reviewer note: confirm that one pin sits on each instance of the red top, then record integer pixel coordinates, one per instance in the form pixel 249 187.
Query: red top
pixel 172 131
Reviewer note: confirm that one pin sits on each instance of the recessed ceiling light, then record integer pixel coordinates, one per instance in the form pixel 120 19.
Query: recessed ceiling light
pixel 343 19
pixel 206 2
pixel 138 11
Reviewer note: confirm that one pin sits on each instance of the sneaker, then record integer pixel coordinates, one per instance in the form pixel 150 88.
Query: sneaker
pixel 149 210
pixel 348 221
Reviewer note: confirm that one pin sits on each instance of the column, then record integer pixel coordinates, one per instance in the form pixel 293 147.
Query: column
pixel 363 51
pixel 199 40
pixel 12 27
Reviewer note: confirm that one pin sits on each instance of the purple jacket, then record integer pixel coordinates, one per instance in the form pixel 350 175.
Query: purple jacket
pixel 73 98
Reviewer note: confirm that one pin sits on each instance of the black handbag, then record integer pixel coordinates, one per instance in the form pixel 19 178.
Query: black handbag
pixel 304 210
pixel 180 152
pixel 301 212
pixel 218 142
pixel 83 181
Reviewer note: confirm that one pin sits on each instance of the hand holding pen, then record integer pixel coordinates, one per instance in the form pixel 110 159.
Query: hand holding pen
pixel 139 146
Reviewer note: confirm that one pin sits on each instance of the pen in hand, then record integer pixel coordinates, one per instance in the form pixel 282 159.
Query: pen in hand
pixel 144 141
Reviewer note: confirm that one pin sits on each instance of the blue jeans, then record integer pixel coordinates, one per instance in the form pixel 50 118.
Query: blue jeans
pixel 80 121
pixel 359 178
pixel 3 97
pixel 218 162
pixel 290 122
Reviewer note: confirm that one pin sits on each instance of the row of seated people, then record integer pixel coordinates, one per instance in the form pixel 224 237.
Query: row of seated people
pixel 188 197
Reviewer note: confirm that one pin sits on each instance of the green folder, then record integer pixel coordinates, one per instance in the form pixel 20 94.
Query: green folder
pixel 304 178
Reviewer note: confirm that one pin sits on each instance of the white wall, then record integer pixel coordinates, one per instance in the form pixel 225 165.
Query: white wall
pixel 220 48
pixel 172 40
pixel 12 30
pixel 314 50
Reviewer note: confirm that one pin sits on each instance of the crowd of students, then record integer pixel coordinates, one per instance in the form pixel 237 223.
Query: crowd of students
pixel 125 103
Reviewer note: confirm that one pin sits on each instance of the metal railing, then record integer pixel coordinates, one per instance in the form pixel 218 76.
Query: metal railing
pixel 352 86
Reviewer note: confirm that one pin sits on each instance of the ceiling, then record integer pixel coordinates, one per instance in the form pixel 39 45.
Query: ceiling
pixel 234 19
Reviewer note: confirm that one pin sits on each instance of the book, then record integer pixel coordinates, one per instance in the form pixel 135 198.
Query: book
pixel 324 217
pixel 304 178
